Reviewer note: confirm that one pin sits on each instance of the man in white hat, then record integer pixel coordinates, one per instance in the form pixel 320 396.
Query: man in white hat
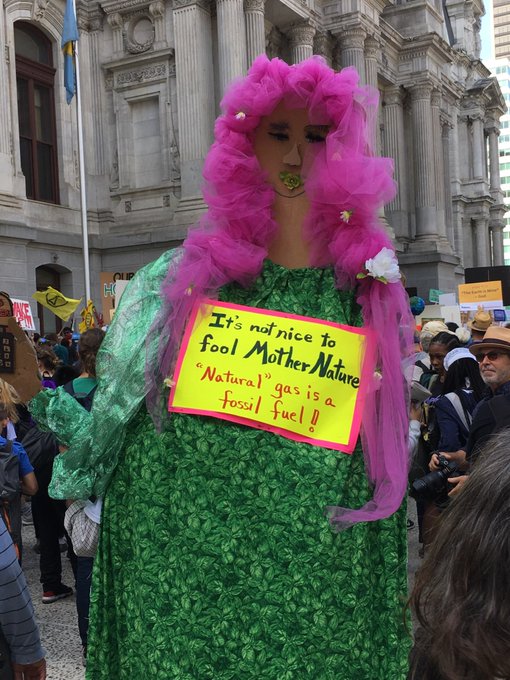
pixel 493 412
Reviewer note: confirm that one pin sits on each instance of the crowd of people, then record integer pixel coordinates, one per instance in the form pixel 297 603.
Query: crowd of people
pixel 226 550
pixel 59 526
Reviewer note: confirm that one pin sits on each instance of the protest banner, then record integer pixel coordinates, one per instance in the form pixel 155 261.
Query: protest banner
pixel 23 314
pixel 299 377
pixel 434 295
pixel 18 360
pixel 486 295
pixel 108 286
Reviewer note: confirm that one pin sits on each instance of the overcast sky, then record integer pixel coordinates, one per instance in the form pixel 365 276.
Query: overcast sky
pixel 486 32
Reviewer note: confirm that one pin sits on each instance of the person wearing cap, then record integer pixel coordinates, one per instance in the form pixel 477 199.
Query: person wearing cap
pixel 461 391
pixel 493 411
pixel 479 325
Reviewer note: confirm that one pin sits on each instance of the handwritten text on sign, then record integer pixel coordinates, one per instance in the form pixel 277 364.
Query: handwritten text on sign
pixel 297 376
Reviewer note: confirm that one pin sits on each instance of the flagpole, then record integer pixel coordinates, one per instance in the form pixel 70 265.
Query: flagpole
pixel 81 165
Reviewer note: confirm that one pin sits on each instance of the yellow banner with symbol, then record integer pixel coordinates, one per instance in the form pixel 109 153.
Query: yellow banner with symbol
pixel 59 304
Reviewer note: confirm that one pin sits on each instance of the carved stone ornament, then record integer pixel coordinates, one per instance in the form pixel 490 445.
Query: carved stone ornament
pixel 154 72
pixel 39 9
pixel 393 96
pixel 254 6
pixel 139 34
pixel 301 34
pixel 323 45
pixel 205 4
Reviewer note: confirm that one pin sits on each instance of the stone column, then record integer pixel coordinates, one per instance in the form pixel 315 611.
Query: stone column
pixel 195 89
pixel 495 179
pixel 323 46
pixel 438 163
pixel 352 45
pixel 371 54
pixel 231 41
pixel 395 149
pixel 301 41
pixel 116 23
pixel 477 141
pixel 97 107
pixel 9 150
pixel 157 12
pixel 425 189
pixel 481 244
pixel 448 211
pixel 255 29
pixel 497 242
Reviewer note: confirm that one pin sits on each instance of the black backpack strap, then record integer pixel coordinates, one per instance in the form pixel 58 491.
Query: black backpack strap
pixel 68 387
pixel 424 368
pixel 7 447
pixel 500 409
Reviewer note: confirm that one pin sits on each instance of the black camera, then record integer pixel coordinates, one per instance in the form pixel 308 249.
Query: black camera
pixel 434 485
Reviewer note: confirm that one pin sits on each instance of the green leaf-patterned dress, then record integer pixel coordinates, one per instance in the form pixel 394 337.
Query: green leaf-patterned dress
pixel 216 559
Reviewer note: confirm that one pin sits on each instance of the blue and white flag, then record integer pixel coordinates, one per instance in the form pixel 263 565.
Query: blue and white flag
pixel 69 36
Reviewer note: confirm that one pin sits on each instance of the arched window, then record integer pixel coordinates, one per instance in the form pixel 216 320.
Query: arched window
pixel 36 112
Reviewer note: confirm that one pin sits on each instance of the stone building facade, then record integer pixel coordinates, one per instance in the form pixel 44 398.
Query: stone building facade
pixel 152 75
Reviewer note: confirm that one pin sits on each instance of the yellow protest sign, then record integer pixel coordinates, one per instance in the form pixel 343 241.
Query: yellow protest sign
pixel 488 295
pixel 59 304
pixel 296 376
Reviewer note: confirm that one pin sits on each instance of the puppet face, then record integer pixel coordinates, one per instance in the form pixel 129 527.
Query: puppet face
pixel 282 145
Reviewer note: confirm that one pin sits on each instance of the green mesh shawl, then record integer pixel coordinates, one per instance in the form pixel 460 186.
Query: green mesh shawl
pixel 94 439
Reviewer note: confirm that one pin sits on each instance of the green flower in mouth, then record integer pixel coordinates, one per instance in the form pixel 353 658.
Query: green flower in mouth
pixel 291 180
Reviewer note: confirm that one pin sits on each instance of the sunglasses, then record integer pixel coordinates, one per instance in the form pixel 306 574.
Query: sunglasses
pixel 491 356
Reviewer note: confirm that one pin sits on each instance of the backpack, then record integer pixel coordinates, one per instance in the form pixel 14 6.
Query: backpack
pixel 82 398
pixel 10 492
pixel 10 486
pixel 41 447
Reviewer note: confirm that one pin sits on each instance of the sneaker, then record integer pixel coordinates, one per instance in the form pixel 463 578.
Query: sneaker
pixel 57 593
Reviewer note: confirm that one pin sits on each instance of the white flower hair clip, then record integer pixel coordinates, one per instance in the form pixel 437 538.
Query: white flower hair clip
pixel 383 267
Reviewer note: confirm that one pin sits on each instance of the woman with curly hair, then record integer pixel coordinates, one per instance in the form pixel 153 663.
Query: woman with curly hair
pixel 461 595
pixel 228 551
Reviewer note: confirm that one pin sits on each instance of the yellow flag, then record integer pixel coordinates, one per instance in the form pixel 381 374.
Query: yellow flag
pixel 88 316
pixel 59 304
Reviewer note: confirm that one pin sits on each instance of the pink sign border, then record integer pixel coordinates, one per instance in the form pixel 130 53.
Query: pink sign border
pixel 367 366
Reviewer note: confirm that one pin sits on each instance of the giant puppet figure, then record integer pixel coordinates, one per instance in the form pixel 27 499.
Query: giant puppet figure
pixel 229 551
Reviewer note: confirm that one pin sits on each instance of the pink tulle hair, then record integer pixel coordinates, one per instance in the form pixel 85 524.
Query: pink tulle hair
pixel 232 238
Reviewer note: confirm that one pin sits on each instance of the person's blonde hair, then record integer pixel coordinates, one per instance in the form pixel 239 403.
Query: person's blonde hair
pixel 9 398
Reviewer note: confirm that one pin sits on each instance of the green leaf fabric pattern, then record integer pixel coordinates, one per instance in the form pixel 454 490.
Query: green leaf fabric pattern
pixel 216 560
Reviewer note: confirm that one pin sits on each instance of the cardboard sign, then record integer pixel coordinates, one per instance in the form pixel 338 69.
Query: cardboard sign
pixel 293 375
pixel 19 360
pixel 487 295
pixel 23 314
pixel 108 284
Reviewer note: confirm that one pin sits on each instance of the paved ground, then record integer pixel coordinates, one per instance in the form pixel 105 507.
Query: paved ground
pixel 57 621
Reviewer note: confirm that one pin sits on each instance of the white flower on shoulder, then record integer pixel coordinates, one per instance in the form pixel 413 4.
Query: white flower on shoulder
pixel 383 267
